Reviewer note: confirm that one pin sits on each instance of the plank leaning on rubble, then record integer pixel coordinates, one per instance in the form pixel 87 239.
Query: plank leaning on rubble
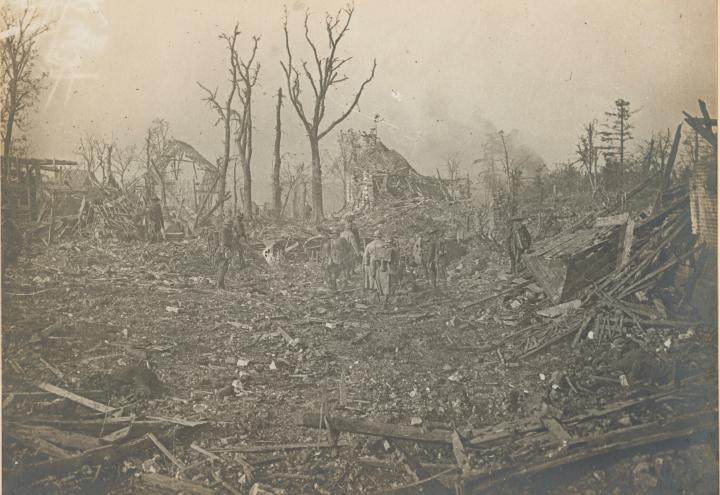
pixel 60 392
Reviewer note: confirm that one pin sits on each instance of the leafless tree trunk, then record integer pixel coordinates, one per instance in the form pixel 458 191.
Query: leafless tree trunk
pixel 235 187
pixel 20 85
pixel 240 72
pixel 452 164
pixel 247 77
pixel 508 169
pixel 327 75
pixel 157 156
pixel 277 190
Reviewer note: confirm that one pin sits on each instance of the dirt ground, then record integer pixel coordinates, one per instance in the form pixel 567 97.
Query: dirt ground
pixel 251 359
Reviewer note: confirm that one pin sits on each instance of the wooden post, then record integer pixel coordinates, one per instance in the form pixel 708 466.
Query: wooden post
pixel 277 193
pixel 667 171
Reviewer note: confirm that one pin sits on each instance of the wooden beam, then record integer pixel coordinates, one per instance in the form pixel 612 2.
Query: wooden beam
pixel 667 170
pixel 76 441
pixel 107 454
pixel 613 442
pixel 75 398
pixel 704 131
pixel 166 483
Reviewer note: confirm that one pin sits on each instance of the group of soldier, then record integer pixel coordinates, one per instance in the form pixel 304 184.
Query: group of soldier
pixel 379 259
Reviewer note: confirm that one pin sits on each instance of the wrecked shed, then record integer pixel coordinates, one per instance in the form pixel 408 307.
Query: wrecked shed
pixel 567 263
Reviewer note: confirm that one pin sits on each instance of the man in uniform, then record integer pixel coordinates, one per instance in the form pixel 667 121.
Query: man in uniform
pixel 157 223
pixel 518 242
pixel 370 264
pixel 228 246
pixel 340 259
pixel 436 258
pixel 352 236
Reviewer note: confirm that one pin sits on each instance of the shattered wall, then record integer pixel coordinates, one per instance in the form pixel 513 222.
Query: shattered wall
pixel 703 202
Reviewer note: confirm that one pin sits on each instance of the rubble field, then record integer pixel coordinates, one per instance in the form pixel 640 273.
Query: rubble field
pixel 125 371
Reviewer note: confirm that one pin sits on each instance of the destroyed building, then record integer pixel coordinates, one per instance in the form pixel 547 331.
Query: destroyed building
pixel 377 173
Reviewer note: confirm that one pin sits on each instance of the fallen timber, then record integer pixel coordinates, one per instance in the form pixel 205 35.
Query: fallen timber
pixel 482 437
pixel 614 442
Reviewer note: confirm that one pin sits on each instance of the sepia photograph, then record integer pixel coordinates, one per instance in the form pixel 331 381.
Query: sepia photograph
pixel 295 247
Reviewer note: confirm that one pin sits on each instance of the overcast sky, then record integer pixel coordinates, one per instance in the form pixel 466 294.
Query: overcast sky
pixel 447 71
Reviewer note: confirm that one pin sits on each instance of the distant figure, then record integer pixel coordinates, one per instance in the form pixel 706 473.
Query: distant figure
pixel 157 223
pixel 351 235
pixel 228 245
pixel 386 261
pixel 518 242
pixel 307 211
pixel 436 262
pixel 339 261
pixel 370 263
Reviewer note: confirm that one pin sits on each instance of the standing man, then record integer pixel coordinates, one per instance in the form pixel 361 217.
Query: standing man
pixel 352 236
pixel 436 258
pixel 228 245
pixel 370 263
pixel 518 242
pixel 157 223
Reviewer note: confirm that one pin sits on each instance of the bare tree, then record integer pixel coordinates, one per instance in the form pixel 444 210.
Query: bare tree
pixel 93 152
pixel 326 76
pixel 21 84
pixel 157 143
pixel 124 161
pixel 589 153
pixel 291 176
pixel 248 74
pixel 277 162
pixel 452 167
pixel 242 79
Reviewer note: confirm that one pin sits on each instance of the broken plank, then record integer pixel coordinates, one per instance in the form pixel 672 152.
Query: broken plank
pixel 117 436
pixel 75 398
pixel 52 451
pixel 164 450
pixel 66 439
pixel 560 309
pixel 157 481
pixel 204 452
pixel 53 369
pixel 107 454
pixel 459 453
pixel 613 442
pixel 362 427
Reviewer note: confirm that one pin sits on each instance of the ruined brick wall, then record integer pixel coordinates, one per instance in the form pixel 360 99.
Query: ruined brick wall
pixel 703 202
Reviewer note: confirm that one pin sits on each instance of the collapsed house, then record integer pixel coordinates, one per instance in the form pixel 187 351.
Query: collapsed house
pixel 675 245
pixel 377 173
